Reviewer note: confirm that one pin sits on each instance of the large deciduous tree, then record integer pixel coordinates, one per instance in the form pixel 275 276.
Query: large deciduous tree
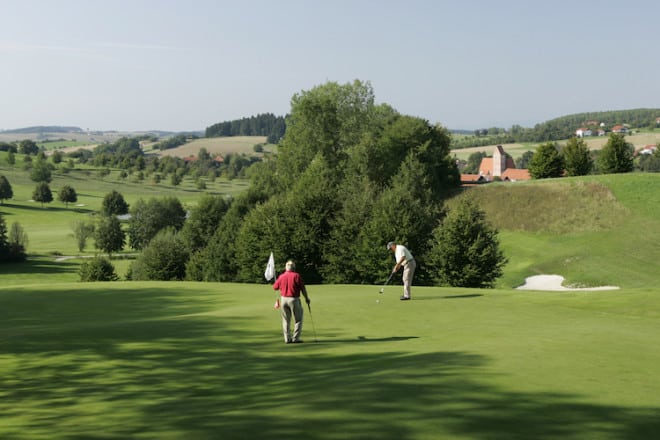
pixel 41 171
pixel 42 193
pixel 203 220
pixel 148 218
pixel 344 163
pixel 114 204
pixel 67 195
pixel 108 235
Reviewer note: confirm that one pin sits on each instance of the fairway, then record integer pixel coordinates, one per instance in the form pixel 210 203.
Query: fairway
pixel 184 360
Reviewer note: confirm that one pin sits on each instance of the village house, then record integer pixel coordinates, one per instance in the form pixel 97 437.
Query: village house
pixel 648 149
pixel 582 132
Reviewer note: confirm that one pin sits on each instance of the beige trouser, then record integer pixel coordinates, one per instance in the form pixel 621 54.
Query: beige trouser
pixel 291 306
pixel 408 272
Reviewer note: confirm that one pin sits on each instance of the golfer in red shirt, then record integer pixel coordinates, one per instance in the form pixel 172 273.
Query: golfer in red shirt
pixel 290 284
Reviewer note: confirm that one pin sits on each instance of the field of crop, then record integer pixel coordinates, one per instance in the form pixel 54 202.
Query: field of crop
pixel 222 145
pixel 638 140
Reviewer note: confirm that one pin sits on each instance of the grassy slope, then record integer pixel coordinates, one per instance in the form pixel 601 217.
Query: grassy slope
pixel 195 360
pixel 598 230
pixel 49 227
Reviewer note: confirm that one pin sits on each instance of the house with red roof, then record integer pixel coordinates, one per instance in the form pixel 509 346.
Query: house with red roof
pixel 502 166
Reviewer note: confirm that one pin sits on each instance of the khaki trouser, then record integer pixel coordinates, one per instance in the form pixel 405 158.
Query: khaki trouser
pixel 291 307
pixel 408 272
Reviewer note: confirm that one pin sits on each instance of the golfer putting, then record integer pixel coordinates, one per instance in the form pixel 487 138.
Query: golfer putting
pixel 291 285
pixel 405 259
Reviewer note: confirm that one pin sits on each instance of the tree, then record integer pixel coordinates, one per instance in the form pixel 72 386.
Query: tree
pixel 163 259
pixel 6 191
pixel 114 204
pixel 203 220
pixel 42 193
pixel 41 171
pixel 546 162
pixel 616 156
pixel 148 218
pixel 11 158
pixel 523 161
pixel 650 163
pixel 98 268
pixel 18 238
pixel 57 156
pixel 473 162
pixel 82 230
pixel 464 250
pixel 12 246
pixel 28 147
pixel 108 235
pixel 67 195
pixel 577 157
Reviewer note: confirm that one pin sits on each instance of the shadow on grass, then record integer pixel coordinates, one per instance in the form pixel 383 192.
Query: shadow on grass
pixel 39 266
pixel 426 298
pixel 48 208
pixel 153 364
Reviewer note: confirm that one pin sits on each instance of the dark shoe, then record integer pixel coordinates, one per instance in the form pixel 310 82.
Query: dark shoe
pixel 299 341
pixel 405 298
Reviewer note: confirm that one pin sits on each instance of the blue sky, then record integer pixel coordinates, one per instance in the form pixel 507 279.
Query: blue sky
pixel 184 65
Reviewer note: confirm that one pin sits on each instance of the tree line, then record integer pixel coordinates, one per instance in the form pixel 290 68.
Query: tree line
pixel 350 175
pixel 559 128
pixel 576 159
pixel 266 124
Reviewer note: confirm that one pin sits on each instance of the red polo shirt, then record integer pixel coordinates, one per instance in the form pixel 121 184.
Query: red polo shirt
pixel 289 284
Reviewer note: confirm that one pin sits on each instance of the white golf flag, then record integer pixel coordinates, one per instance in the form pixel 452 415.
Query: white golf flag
pixel 270 268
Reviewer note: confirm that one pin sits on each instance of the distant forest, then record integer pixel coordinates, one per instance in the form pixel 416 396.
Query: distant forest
pixel 560 128
pixel 266 124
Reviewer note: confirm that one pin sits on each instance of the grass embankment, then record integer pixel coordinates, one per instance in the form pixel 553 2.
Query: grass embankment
pixel 596 230
pixel 199 360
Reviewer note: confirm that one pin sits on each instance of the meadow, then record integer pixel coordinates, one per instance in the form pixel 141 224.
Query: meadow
pixel 185 360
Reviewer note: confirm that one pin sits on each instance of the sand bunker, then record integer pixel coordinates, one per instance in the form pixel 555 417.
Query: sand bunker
pixel 554 282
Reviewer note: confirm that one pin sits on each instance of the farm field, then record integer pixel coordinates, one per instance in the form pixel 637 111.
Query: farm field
pixel 222 145
pixel 638 140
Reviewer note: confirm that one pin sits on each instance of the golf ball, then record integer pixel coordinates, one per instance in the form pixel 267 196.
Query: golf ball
pixel 378 301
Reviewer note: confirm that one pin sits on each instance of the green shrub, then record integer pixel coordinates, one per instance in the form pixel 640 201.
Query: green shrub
pixel 98 269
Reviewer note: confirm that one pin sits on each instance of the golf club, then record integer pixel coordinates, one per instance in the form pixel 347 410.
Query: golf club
pixel 312 319
pixel 382 289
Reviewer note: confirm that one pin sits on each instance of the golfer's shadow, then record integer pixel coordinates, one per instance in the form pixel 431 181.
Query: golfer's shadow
pixel 467 295
pixel 366 339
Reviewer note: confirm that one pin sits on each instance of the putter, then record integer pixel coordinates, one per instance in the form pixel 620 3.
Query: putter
pixel 382 289
pixel 312 319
